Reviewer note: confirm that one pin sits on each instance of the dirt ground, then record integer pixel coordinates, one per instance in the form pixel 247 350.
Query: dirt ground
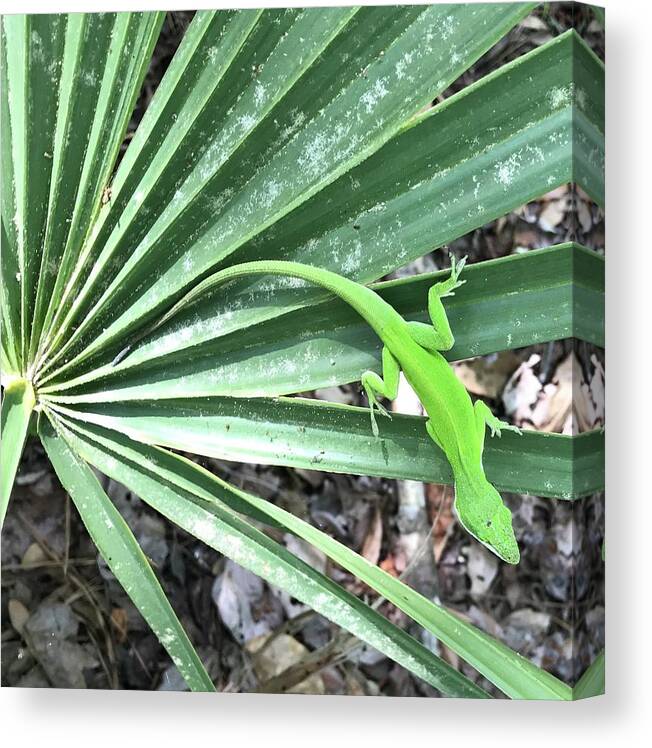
pixel 253 637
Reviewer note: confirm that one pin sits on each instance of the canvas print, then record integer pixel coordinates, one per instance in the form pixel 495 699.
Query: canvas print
pixel 303 350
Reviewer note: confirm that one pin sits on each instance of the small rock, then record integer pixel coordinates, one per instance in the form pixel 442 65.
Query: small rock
pixel 33 555
pixel 18 615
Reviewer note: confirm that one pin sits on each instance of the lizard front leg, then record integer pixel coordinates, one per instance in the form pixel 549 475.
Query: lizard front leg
pixel 484 417
pixel 387 385
pixel 438 336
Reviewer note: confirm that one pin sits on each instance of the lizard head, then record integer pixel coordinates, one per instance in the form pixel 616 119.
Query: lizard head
pixel 483 514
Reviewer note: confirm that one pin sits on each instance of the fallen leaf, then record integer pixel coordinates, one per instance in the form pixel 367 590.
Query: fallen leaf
pixel 440 512
pixel 119 620
pixel 523 628
pixel 554 410
pixel 281 653
pixel 567 404
pixel 373 541
pixel 553 214
pixel 313 557
pixel 522 391
pixel 485 621
pixel 584 217
pixel 589 400
pixel 48 633
pixel 244 603
pixel 387 564
pixel 334 395
pixel 486 375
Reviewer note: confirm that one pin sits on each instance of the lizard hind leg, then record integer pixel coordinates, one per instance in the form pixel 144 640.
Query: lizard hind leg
pixel 429 337
pixel 385 386
pixel 433 434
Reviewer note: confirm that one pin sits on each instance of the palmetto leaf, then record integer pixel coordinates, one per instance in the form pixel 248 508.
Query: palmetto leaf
pixel 69 86
pixel 222 529
pixel 515 676
pixel 499 138
pixel 296 134
pixel 337 438
pixel 559 293
pixel 17 404
pixel 592 681
pixel 229 194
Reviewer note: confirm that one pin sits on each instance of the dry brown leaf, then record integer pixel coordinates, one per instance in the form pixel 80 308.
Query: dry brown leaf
pixel 440 511
pixel 119 619
pixel 373 541
pixel 522 391
pixel 553 214
pixel 566 405
pixel 554 410
pixel 449 656
pixel 334 395
pixel 525 238
pixel 534 23
pixel 589 400
pixel 482 568
pixel 281 653
pixel 584 216
pixel 557 193
pixel 387 564
pixel 486 375
pixel 485 621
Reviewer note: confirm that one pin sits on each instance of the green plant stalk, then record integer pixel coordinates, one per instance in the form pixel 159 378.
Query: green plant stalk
pixel 17 406
pixel 592 681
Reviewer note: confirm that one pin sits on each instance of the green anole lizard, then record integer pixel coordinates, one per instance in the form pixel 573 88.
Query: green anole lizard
pixel 454 423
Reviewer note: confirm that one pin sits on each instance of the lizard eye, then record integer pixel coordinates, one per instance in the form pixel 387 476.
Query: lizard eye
pixel 488 523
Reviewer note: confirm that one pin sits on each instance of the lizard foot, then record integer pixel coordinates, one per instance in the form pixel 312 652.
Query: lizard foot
pixel 447 287
pixel 373 406
pixel 498 426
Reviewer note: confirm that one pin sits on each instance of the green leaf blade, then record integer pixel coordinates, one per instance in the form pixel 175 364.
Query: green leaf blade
pixel 17 406
pixel 317 435
pixel 102 67
pixel 514 675
pixel 592 682
pixel 123 555
pixel 32 45
pixel 356 123
pixel 227 533
pixel 512 302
